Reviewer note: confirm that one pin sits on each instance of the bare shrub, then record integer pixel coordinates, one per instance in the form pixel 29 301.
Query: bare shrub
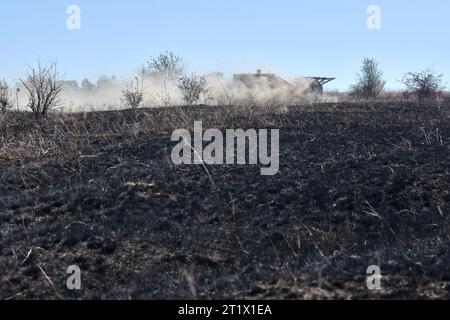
pixel 43 86
pixel 167 65
pixel 369 83
pixel 193 88
pixel 4 96
pixel 423 85
pixel 133 96
pixel 164 70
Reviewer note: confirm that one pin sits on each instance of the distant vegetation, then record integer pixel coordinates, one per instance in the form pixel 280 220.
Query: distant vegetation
pixel 167 80
pixel 369 83
pixel 43 85
pixel 423 85
pixel 133 95
pixel 193 88
pixel 167 65
pixel 4 96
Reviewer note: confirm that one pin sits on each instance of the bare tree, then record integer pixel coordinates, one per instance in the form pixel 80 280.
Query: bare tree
pixel 426 84
pixel 43 85
pixel 4 96
pixel 133 95
pixel 167 65
pixel 193 88
pixel 369 83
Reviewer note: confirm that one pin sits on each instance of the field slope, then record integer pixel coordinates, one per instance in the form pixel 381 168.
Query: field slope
pixel 359 185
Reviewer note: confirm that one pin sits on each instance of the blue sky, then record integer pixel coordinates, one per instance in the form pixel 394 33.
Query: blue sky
pixel 291 37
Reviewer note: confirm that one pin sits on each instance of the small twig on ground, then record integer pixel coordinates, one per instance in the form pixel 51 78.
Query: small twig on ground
pixel 15 295
pixel 203 164
pixel 49 280
pixel 191 282
pixel 374 213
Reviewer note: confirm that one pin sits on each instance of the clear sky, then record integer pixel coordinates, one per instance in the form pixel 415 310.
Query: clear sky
pixel 291 37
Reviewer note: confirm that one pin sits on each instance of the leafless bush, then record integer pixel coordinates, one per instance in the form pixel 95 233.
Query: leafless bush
pixel 369 83
pixel 167 65
pixel 193 88
pixel 43 85
pixel 4 96
pixel 423 85
pixel 133 95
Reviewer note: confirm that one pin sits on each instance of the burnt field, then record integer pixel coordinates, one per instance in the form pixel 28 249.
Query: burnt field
pixel 359 184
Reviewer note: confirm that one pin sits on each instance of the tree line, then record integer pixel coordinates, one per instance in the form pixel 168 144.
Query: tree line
pixel 422 85
pixel 43 84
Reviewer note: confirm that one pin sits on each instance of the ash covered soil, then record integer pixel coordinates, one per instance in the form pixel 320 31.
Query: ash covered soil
pixel 359 185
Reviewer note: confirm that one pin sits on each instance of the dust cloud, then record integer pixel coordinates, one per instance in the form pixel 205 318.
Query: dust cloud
pixel 107 92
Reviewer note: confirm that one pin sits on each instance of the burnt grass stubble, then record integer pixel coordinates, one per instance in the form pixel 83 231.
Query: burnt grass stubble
pixel 359 184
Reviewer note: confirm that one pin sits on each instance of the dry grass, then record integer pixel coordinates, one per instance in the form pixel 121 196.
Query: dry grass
pixel 99 190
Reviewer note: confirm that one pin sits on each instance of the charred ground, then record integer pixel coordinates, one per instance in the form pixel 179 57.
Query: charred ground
pixel 359 184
